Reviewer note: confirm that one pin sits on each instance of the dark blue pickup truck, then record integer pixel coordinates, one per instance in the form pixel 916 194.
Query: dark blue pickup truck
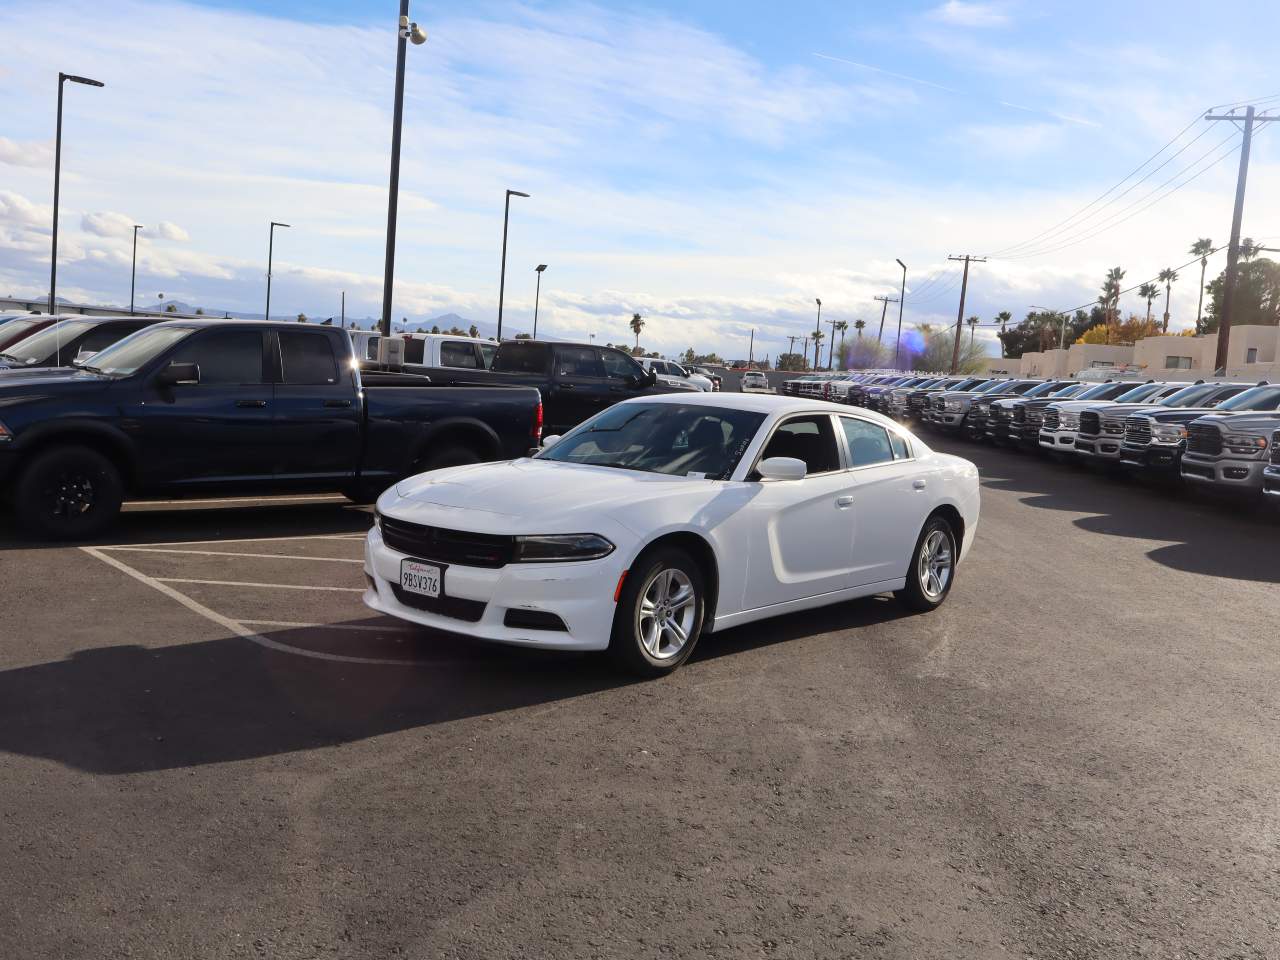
pixel 234 407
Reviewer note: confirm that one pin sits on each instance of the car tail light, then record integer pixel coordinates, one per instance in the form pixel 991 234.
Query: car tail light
pixel 536 433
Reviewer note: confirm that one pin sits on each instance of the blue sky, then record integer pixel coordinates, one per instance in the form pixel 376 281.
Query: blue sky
pixel 714 166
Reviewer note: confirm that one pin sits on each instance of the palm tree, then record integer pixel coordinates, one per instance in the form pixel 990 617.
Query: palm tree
pixel 1003 317
pixel 1148 292
pixel 973 329
pixel 1167 276
pixel 1201 248
pixel 637 324
pixel 842 326
pixel 1248 249
pixel 1110 298
pixel 859 325
pixel 817 347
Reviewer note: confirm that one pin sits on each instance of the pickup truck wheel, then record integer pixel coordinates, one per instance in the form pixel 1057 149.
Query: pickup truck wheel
pixel 68 493
pixel 659 614
pixel 454 455
pixel 932 569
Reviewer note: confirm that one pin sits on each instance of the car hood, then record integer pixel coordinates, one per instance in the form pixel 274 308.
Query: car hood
pixel 17 383
pixel 533 496
pixel 1127 409
pixel 1183 414
pixel 1261 423
pixel 1078 405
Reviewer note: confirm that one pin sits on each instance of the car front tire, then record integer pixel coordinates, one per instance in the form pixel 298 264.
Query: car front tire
pixel 68 493
pixel 933 567
pixel 660 613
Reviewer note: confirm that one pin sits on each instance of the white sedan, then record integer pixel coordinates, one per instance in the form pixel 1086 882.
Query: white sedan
pixel 664 517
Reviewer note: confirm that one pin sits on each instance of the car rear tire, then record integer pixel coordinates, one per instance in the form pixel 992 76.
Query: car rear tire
pixel 452 455
pixel 68 493
pixel 933 567
pixel 659 614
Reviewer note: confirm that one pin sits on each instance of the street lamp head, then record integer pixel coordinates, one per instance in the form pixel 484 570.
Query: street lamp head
pixel 900 263
pixel 277 223
pixel 85 80
pixel 818 301
pixel 138 226
pixel 417 36
pixel 540 267
pixel 516 193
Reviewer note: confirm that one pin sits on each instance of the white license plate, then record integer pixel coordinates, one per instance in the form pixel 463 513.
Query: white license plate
pixel 421 578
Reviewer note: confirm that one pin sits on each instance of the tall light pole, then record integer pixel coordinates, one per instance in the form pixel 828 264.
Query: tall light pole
pixel 831 346
pixel 817 334
pixel 271 243
pixel 133 271
pixel 404 31
pixel 57 182
pixel 502 278
pixel 536 297
pixel 902 300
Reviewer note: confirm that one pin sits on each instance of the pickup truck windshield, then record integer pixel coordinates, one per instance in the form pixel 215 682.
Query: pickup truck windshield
pixel 125 358
pixel 1140 393
pixel 1259 398
pixel 705 442
pixel 40 346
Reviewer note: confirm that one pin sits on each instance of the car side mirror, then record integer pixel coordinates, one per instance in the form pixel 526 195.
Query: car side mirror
pixel 551 441
pixel 179 374
pixel 782 468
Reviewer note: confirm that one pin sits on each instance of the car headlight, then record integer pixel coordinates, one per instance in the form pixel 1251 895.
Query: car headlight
pixel 954 404
pixel 1168 433
pixel 1244 443
pixel 560 547
pixel 5 433
pixel 1069 421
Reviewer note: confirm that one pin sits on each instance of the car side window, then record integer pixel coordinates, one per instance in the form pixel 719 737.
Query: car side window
pixel 487 350
pixel 308 358
pixel 576 362
pixel 808 438
pixel 618 366
pixel 901 449
pixel 457 355
pixel 105 336
pixel 868 442
pixel 414 350
pixel 224 356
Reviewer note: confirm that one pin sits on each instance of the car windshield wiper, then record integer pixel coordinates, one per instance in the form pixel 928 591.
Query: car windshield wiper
pixel 91 368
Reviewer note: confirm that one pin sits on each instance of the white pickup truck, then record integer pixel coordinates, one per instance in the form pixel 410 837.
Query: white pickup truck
pixel 431 349
pixel 675 375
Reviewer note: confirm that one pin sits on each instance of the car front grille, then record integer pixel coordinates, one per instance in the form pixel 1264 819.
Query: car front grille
pixel 1051 419
pixel 1090 424
pixel 1113 426
pixel 1137 431
pixel 1204 438
pixel 448 546
pixel 1034 417
pixel 1275 448
pixel 454 607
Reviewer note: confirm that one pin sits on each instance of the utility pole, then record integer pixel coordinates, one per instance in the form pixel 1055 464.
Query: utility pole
pixel 964 289
pixel 751 348
pixel 133 271
pixel 343 322
pixel 1233 250
pixel 831 346
pixel 902 302
pixel 817 335
pixel 791 345
pixel 883 310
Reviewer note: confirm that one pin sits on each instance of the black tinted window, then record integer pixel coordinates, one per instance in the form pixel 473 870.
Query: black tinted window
pixel 576 362
pixel 457 355
pixel 413 350
pixel 106 335
pixel 308 358
pixel 516 357
pixel 810 439
pixel 868 442
pixel 487 350
pixel 618 366
pixel 224 356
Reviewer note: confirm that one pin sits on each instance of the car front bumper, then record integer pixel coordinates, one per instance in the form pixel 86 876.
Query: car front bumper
pixel 1224 473
pixel 1155 457
pixel 580 594
pixel 1064 441
pixel 1271 482
pixel 1101 447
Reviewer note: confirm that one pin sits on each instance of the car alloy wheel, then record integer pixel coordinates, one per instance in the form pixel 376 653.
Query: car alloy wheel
pixel 935 565
pixel 666 613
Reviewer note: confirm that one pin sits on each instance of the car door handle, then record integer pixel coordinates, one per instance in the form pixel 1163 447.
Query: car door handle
pixel 566 386
pixel 258 404
pixel 845 501
pixel 920 484
pixel 337 403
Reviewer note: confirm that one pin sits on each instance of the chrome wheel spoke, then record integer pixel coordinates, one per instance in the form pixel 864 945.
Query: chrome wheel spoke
pixel 666 614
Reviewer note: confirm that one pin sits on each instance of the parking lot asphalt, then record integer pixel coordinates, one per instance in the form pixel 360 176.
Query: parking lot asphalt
pixel 210 748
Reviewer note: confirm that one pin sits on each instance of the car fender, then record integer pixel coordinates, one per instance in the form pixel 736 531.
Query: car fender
pixel 106 436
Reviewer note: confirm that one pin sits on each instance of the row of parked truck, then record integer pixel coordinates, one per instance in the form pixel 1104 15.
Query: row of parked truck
pixel 1219 435
pixel 97 410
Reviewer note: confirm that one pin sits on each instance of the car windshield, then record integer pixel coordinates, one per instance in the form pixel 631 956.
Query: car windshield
pixel 39 347
pixel 1070 391
pixel 1140 392
pixel 126 357
pixel 1098 390
pixel 1041 389
pixel 690 440
pixel 1258 398
pixel 1190 396
pixel 994 385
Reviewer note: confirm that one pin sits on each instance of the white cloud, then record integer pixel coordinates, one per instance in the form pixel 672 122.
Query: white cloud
pixel 107 223
pixel 962 14
pixel 17 209
pixel 26 153
pixel 171 231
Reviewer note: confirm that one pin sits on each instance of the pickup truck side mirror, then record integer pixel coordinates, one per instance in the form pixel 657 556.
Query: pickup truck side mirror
pixel 176 374
pixel 646 378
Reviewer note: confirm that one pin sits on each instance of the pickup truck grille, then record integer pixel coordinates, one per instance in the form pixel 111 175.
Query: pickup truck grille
pixel 448 546
pixel 1113 426
pixel 1137 431
pixel 1090 424
pixel 1034 417
pixel 1204 438
pixel 1275 449
pixel 1051 419
pixel 1020 415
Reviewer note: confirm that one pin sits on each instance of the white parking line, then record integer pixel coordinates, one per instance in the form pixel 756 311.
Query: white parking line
pixel 227 553
pixel 269 586
pixel 241 630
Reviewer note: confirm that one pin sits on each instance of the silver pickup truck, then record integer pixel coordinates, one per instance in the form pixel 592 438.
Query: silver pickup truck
pixel 1271 475
pixel 1228 452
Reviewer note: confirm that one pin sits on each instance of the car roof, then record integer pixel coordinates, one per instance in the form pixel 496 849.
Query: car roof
pixel 767 403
